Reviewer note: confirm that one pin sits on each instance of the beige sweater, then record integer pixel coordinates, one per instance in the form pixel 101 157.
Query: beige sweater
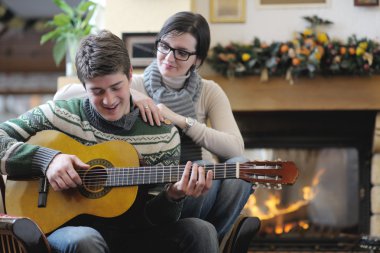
pixel 222 137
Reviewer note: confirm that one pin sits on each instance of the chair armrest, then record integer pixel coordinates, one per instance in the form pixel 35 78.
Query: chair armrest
pixel 21 232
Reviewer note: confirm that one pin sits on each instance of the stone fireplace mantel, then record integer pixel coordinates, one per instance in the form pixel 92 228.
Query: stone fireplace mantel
pixel 319 93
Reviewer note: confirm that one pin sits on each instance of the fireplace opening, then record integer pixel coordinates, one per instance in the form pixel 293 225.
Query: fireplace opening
pixel 319 205
pixel 328 208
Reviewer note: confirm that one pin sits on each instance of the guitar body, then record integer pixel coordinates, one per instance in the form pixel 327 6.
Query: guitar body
pixel 22 195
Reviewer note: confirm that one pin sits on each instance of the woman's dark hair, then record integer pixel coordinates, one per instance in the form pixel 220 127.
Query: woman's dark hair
pixel 101 54
pixel 188 22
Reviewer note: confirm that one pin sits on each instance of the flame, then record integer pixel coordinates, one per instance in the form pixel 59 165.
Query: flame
pixel 271 207
pixel 303 224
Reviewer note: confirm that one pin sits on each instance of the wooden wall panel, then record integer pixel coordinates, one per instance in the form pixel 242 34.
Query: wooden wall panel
pixel 20 51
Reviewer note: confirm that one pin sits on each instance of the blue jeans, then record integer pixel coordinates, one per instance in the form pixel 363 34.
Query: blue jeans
pixel 222 204
pixel 77 239
pixel 189 235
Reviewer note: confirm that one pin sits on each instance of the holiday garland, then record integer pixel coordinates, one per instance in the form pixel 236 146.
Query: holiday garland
pixel 310 53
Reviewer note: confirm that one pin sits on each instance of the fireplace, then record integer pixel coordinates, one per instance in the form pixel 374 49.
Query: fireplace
pixel 318 114
pixel 337 144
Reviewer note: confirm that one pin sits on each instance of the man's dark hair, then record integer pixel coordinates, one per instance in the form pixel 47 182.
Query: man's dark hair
pixel 101 54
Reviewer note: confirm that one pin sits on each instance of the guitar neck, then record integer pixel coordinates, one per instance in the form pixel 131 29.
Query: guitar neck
pixel 160 174
pixel 262 172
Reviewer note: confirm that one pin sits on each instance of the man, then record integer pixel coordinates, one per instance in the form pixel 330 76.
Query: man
pixel 103 67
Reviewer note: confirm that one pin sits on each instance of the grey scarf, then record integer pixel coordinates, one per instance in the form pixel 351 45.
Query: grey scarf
pixel 181 101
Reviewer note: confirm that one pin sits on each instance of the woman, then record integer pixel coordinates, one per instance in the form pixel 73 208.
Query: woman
pixel 182 96
pixel 191 102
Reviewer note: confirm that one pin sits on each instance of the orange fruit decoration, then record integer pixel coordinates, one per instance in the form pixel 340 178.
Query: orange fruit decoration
pixel 296 61
pixel 343 50
pixel 352 50
pixel 284 48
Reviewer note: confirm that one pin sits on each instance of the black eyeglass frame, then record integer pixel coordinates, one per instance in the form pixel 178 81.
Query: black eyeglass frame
pixel 174 50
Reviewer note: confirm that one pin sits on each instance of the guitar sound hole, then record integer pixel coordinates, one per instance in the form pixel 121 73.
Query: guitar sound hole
pixel 94 179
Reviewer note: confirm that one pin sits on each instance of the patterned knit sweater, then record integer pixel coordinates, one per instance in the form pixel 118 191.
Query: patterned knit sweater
pixel 78 119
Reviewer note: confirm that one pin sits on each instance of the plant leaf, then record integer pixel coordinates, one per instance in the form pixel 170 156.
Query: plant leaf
pixel 49 36
pixel 87 30
pixel 65 7
pixel 59 51
pixel 61 19
pixel 83 6
pixel 88 17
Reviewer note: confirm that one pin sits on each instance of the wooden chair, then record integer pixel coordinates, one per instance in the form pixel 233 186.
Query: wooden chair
pixel 20 234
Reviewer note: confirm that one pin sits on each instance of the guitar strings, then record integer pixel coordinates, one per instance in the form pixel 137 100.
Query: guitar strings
pixel 165 169
pixel 155 174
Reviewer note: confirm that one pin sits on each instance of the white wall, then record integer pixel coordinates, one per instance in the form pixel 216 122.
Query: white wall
pixel 279 23
pixel 269 24
pixel 140 15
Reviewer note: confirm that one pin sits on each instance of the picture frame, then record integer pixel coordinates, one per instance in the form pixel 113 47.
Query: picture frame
pixel 276 4
pixel 366 2
pixel 263 2
pixel 227 11
pixel 141 48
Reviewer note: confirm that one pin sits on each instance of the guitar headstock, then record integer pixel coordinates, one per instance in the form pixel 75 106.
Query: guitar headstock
pixel 269 173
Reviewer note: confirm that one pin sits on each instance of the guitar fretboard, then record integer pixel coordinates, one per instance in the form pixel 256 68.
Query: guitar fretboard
pixel 151 174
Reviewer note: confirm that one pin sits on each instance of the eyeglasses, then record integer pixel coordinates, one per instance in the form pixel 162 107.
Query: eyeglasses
pixel 179 54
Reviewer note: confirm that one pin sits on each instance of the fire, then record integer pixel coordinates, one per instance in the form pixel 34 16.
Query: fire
pixel 271 208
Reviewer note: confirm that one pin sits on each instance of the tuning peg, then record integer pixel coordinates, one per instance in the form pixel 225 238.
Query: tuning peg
pixel 268 186
pixel 255 185
pixel 277 187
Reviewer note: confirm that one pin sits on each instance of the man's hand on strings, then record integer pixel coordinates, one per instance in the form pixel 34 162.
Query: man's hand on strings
pixel 194 182
pixel 62 173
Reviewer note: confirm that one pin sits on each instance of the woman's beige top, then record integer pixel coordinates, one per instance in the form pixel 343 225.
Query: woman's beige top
pixel 223 137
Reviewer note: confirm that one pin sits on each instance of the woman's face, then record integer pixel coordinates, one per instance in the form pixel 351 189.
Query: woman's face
pixel 168 65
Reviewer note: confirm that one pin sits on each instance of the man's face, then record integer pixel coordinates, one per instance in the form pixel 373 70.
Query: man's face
pixel 110 95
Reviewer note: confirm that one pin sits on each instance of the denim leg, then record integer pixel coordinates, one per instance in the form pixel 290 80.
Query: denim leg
pixel 232 196
pixel 223 202
pixel 77 240
pixel 201 206
pixel 191 235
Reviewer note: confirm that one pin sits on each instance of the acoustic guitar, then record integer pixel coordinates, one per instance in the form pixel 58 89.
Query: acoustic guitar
pixel 109 186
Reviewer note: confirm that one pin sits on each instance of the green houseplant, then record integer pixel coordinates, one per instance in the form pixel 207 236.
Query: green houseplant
pixel 67 30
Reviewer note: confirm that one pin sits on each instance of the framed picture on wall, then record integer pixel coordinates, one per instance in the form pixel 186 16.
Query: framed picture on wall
pixel 292 3
pixel 227 11
pixel 140 47
pixel 366 2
